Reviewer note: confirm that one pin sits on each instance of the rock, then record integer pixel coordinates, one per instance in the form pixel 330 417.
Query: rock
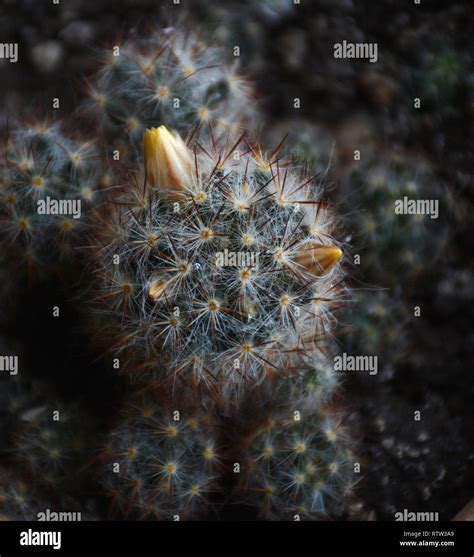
pixel 381 89
pixel 47 55
pixel 78 33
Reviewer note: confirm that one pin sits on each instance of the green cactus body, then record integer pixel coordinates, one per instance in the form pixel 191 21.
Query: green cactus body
pixel 51 441
pixel 225 279
pixel 19 498
pixel 397 244
pixel 295 459
pixel 161 462
pixel 166 76
pixel 48 182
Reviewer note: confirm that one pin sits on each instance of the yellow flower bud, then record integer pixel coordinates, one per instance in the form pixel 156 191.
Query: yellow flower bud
pixel 158 288
pixel 318 258
pixel 169 163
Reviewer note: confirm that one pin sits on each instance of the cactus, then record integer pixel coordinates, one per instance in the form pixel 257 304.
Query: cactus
pixel 40 163
pixel 14 395
pixel 219 278
pixel 162 460
pixel 19 498
pixel 441 77
pixel 393 250
pixel 295 458
pixel 166 76
pixel 51 442
pixel 396 245
pixel 47 440
pixel 24 498
pixel 168 290
pixel 378 326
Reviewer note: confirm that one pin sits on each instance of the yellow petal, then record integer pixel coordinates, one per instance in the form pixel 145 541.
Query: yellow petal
pixel 318 258
pixel 169 163
pixel 157 288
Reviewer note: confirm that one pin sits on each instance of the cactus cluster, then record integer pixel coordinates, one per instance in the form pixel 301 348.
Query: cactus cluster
pixel 215 273
pixel 222 267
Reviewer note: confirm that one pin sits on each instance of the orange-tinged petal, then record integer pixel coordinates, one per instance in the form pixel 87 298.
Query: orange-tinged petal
pixel 318 259
pixel 169 163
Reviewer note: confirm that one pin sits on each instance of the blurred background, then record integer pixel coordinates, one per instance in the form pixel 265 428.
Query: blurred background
pixel 424 51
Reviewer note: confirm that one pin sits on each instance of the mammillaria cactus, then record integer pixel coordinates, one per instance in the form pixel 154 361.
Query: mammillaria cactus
pixel 47 440
pixel 397 242
pixel 217 266
pixel 295 459
pixel 23 497
pixel 48 179
pixel 51 440
pixel 217 263
pixel 218 279
pixel 167 76
pixel 19 499
pixel 47 437
pixel 14 394
pixel 162 460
